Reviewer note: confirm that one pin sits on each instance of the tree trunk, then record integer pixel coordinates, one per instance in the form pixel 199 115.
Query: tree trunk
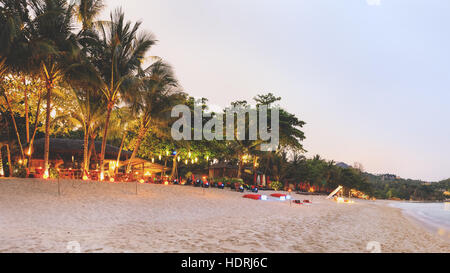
pixel 25 91
pixel 141 135
pixel 15 125
pixel 165 166
pixel 91 148
pixel 11 168
pixel 105 135
pixel 240 165
pixel 120 153
pixel 47 127
pixel 86 149
pixel 174 173
pixel 2 171
pixel 30 146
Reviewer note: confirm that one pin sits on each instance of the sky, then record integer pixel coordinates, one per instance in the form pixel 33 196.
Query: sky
pixel 371 78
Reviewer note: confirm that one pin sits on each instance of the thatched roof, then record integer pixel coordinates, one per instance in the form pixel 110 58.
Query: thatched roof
pixel 60 148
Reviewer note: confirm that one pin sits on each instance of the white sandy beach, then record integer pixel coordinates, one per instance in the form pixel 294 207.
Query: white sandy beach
pixel 105 217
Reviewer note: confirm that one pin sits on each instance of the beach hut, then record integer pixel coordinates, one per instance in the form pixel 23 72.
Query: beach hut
pixel 223 169
pixel 68 153
pixel 144 167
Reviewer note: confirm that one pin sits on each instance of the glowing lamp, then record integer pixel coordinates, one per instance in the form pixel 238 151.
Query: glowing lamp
pixel 186 162
pixel 102 176
pixel 111 180
pixel 85 178
pixel 20 161
pixel 142 181
pixel 153 160
pixel 147 174
pixel 46 175
pixel 166 183
pixel 178 159
pixel 160 157
pixel 2 173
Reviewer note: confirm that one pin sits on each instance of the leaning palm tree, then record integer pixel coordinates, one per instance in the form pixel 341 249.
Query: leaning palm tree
pixel 117 51
pixel 157 96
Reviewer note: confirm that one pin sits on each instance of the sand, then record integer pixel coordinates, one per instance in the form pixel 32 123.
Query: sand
pixel 110 217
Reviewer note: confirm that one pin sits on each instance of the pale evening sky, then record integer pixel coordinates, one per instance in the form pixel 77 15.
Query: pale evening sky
pixel 371 81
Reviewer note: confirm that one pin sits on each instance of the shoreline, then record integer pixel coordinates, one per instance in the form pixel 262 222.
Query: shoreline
pixel 429 223
pixel 109 217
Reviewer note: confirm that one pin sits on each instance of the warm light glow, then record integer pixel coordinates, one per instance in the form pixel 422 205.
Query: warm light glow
pixel 160 157
pixel 207 158
pixel 111 180
pixel 167 153
pixel 20 161
pixel 29 152
pixel 186 162
pixel 179 159
pixel 148 174
pixel 2 173
pixel 340 200
pixel 189 154
pixel 46 175
pixel 85 178
pixel 196 159
pixel 102 176
pixel 142 181
pixel 153 160
pixel 166 183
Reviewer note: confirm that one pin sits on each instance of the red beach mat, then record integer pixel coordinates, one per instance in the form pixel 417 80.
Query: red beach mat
pixel 278 195
pixel 307 202
pixel 253 196
pixel 298 202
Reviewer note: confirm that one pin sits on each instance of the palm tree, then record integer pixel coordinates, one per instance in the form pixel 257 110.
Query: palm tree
pixel 87 111
pixel 117 51
pixel 157 96
pixel 53 46
pixel 121 119
pixel 87 11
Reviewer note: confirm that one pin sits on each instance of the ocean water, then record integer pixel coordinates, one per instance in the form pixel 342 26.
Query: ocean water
pixel 433 215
